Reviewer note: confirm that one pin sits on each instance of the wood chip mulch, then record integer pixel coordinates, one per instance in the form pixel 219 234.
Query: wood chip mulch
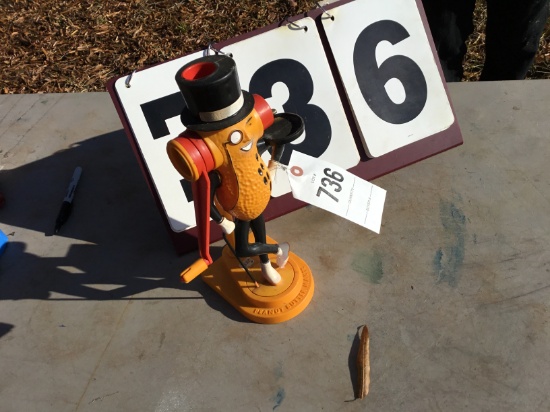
pixel 56 46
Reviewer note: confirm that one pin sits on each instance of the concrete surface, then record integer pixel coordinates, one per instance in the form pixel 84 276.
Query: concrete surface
pixel 454 290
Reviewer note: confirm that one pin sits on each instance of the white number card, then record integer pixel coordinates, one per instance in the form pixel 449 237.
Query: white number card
pixel 334 189
pixel 287 66
pixel 363 73
pixel 389 72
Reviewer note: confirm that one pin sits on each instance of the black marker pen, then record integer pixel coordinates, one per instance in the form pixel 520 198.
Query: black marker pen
pixel 67 205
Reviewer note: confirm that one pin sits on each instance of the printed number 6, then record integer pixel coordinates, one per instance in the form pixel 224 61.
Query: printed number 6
pixel 372 79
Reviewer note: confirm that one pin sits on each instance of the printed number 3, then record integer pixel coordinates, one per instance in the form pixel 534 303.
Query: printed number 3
pixel 300 87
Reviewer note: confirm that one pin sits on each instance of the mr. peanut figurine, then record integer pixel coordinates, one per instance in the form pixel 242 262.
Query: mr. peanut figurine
pixel 220 153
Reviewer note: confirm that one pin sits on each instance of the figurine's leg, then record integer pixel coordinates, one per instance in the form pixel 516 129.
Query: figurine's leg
pixel 243 248
pixel 259 247
pixel 258 228
pixel 268 272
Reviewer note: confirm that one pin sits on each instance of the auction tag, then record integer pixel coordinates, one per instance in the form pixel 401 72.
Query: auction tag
pixel 334 189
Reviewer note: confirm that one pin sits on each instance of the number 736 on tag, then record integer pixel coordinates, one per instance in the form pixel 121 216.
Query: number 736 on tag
pixel 334 189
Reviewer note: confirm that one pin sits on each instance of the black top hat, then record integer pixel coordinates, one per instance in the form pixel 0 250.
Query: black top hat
pixel 212 92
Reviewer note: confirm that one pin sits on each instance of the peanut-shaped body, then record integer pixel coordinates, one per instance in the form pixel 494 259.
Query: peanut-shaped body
pixel 246 183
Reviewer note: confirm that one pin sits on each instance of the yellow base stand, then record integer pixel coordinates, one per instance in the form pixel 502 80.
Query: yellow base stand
pixel 266 303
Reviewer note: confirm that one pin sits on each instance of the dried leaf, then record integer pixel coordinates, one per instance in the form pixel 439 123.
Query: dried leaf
pixel 363 364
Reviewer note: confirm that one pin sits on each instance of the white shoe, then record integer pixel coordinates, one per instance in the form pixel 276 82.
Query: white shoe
pixel 270 274
pixel 282 254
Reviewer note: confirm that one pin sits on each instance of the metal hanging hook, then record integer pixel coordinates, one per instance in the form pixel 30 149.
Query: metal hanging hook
pixel 128 79
pixel 293 26
pixel 330 16
pixel 211 47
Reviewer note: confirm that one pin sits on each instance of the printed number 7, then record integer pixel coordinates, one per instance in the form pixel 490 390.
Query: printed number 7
pixel 327 181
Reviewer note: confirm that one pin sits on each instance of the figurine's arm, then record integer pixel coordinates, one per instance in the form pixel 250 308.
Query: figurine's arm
pixel 261 146
pixel 227 225
pixel 286 128
pixel 277 149
pixel 215 182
